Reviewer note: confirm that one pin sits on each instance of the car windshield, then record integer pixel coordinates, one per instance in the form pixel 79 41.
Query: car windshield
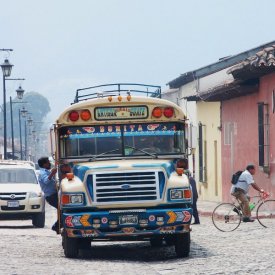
pixel 148 139
pixel 17 175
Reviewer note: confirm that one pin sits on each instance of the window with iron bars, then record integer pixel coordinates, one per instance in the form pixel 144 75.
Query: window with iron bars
pixel 202 154
pixel 263 135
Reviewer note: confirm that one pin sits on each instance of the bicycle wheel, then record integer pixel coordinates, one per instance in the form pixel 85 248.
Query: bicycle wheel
pixel 266 213
pixel 226 217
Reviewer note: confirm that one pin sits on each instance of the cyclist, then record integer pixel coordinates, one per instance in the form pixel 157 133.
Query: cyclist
pixel 241 188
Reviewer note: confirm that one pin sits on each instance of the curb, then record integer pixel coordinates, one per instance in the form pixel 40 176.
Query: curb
pixel 204 213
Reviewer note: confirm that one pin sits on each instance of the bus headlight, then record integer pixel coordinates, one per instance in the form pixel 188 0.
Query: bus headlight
pixel 71 199
pixel 77 199
pixel 176 194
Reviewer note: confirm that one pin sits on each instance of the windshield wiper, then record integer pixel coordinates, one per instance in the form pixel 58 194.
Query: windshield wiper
pixel 137 149
pixel 102 154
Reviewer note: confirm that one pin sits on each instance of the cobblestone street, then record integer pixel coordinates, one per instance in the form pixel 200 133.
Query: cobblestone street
pixel 248 250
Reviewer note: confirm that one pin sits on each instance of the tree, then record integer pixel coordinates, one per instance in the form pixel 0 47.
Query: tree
pixel 38 105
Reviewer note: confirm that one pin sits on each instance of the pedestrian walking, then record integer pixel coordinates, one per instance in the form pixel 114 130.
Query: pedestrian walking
pixel 184 164
pixel 48 184
pixel 194 199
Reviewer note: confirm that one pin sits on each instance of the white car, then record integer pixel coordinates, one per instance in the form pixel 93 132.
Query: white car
pixel 20 194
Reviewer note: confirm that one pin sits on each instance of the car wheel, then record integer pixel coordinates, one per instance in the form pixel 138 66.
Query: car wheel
pixel 182 244
pixel 39 220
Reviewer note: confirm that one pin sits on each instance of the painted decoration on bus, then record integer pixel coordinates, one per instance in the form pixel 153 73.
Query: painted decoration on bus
pixel 115 113
pixel 148 129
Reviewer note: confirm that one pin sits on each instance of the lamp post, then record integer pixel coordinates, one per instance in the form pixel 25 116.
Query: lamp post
pixel 6 68
pixel 20 93
pixel 29 122
pixel 36 132
pixel 25 139
pixel 12 130
pixel 20 135
pixel 23 111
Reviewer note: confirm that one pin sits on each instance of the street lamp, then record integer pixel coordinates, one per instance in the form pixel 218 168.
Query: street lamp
pixel 30 121
pixel 23 111
pixel 6 68
pixel 20 92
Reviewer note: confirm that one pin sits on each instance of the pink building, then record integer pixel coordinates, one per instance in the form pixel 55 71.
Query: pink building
pixel 248 120
pixel 240 128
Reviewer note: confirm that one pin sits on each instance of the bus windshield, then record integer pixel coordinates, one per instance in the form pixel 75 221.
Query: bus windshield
pixel 147 139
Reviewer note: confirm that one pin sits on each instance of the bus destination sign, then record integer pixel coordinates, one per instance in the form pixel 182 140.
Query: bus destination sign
pixel 120 112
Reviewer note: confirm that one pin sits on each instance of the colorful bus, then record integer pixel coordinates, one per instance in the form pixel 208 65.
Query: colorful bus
pixel 123 144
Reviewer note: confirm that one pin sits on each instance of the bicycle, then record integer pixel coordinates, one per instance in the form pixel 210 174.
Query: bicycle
pixel 227 217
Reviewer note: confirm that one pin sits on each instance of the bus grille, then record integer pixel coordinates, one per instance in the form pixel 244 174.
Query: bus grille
pixel 132 186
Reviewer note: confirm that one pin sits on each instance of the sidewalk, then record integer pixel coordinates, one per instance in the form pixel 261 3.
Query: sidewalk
pixel 205 208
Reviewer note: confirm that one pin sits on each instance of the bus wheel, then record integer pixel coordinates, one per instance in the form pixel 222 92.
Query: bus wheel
pixel 70 245
pixel 84 243
pixel 182 244
pixel 170 240
pixel 156 241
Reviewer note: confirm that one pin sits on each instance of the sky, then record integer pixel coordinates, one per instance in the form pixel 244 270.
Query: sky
pixel 60 46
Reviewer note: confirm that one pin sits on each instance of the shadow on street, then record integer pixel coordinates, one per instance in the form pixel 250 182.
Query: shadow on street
pixel 139 251
pixel 16 227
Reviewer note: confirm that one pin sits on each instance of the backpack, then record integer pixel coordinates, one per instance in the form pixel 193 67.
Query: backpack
pixel 235 177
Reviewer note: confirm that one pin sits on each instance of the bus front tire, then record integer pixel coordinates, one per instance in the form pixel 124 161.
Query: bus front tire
pixel 70 246
pixel 182 245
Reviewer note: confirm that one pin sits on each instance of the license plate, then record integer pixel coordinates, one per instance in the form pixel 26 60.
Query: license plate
pixel 13 203
pixel 128 219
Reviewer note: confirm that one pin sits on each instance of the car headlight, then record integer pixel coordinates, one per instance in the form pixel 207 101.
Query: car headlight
pixel 176 194
pixel 35 194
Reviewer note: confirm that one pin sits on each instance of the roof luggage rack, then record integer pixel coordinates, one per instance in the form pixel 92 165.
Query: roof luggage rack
pixel 118 89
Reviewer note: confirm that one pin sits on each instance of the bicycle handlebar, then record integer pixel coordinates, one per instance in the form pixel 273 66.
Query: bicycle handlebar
pixel 264 195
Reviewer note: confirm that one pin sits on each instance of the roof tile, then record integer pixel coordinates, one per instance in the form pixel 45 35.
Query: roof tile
pixel 262 59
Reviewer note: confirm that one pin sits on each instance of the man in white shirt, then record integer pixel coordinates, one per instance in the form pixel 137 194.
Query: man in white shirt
pixel 241 188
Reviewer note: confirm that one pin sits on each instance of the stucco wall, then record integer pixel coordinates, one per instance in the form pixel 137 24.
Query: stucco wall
pixel 208 113
pixel 242 113
pixel 267 86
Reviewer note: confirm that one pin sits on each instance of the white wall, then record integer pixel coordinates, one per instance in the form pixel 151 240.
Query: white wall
pixel 216 79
